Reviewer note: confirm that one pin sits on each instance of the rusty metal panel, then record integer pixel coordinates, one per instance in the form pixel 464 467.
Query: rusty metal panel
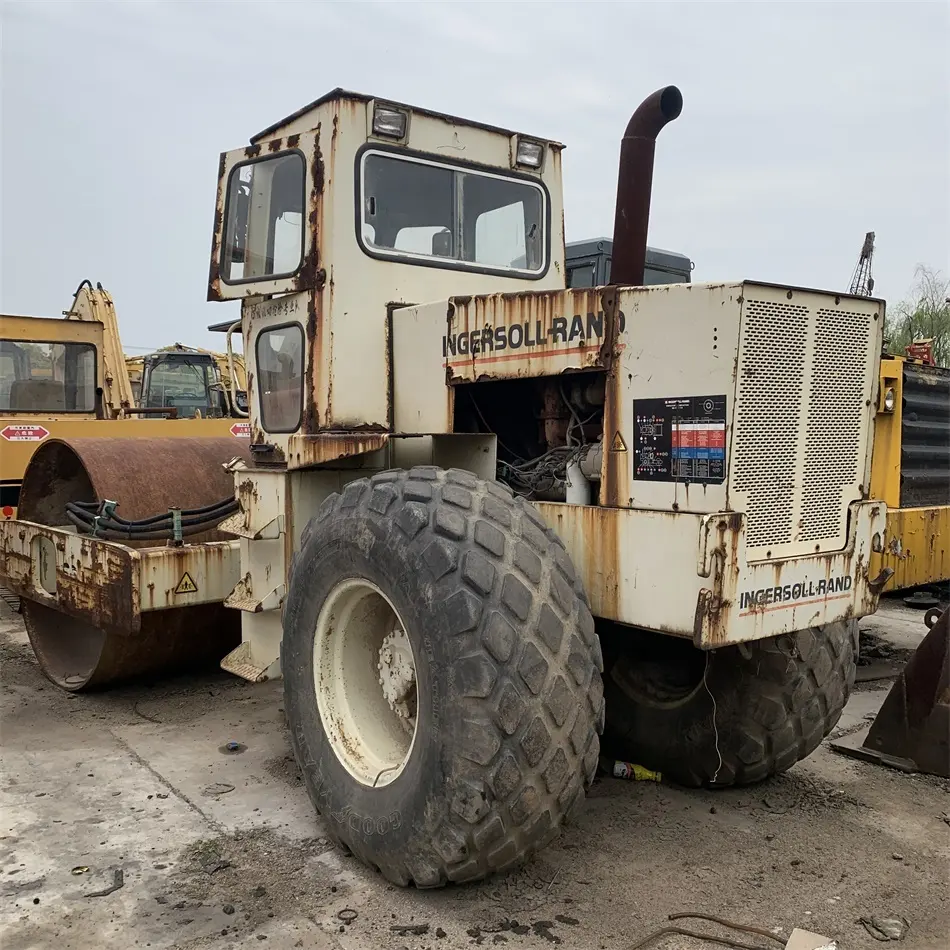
pixel 916 547
pixel 627 558
pixel 185 576
pixel 752 600
pixel 528 334
pixel 107 584
pixel 95 581
pixel 312 451
pixel 675 343
pixel 261 494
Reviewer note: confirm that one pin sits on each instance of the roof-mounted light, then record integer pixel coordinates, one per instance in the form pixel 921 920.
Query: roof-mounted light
pixel 390 123
pixel 529 154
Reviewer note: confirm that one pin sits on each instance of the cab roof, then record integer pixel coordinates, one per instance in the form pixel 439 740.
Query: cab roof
pixel 340 93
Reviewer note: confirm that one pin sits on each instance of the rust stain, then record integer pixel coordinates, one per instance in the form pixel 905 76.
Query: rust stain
pixel 710 625
pixel 593 535
pixel 310 451
pixel 314 360
pixel 524 334
pixel 308 277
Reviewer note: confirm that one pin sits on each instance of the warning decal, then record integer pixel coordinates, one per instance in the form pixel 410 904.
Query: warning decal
pixel 24 433
pixel 618 444
pixel 186 585
pixel 682 439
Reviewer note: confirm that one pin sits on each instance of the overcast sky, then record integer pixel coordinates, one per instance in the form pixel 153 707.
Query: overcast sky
pixel 804 126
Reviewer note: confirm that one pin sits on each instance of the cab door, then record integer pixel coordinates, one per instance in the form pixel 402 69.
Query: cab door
pixel 268 196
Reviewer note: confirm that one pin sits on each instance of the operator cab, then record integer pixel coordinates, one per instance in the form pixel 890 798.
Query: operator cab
pixel 48 367
pixel 348 210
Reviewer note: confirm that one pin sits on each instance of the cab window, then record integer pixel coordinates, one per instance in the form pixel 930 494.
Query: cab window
pixel 416 209
pixel 47 377
pixel 279 353
pixel 264 219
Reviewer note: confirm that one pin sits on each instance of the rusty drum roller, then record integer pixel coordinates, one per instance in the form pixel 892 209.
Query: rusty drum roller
pixel 145 477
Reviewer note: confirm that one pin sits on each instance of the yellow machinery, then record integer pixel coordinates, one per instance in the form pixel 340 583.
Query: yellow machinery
pixel 62 378
pixel 910 471
pixel 195 381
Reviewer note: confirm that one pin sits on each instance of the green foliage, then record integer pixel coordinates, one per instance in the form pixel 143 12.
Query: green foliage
pixel 924 315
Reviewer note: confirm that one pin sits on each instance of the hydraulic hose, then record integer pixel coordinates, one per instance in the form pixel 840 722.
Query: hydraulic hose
pixel 99 520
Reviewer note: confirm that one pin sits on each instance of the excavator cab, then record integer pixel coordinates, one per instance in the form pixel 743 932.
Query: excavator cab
pixel 189 381
pixel 182 381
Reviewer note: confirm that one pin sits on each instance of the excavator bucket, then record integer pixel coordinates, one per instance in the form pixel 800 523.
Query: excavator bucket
pixel 911 731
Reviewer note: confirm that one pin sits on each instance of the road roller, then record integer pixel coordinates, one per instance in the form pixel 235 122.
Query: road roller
pixel 486 526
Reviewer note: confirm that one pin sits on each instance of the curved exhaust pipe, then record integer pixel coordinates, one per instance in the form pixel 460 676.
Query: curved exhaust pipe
pixel 635 184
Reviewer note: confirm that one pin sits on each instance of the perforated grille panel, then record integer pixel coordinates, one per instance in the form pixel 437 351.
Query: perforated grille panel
pixel 765 453
pixel 799 440
pixel 835 412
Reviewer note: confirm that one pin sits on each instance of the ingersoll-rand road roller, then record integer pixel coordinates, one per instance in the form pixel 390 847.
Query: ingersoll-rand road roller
pixel 477 509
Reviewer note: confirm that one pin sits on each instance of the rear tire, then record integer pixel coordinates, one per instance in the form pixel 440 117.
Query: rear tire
pixel 723 718
pixel 507 703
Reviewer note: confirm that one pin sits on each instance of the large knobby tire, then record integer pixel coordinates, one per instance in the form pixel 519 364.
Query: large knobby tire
pixel 508 690
pixel 733 716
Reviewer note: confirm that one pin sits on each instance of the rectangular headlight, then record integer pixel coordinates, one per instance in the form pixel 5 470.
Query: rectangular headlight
pixel 389 122
pixel 530 154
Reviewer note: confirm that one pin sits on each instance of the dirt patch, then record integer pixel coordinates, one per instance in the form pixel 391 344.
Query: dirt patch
pixel 252 877
pixel 284 769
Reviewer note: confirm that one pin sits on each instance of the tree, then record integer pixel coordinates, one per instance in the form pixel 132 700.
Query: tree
pixel 925 315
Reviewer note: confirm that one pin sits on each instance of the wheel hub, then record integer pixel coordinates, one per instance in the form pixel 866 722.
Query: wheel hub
pixel 397 675
pixel 365 681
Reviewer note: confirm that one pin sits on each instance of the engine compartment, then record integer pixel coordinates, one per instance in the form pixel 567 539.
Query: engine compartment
pixel 544 426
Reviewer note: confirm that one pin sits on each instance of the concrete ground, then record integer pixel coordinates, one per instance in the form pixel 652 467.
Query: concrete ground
pixel 218 849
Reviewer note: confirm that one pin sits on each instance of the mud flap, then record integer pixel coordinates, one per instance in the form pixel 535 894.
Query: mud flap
pixel 911 731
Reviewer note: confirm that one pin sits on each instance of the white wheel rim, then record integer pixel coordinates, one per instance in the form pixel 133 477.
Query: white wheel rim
pixel 364 675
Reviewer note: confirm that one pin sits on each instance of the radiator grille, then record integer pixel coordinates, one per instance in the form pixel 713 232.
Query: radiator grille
pixel 799 438
pixel 769 398
pixel 835 413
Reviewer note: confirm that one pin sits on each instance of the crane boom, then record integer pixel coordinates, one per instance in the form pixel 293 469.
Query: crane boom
pixel 862 283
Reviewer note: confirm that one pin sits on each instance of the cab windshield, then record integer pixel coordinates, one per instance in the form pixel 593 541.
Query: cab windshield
pixel 47 377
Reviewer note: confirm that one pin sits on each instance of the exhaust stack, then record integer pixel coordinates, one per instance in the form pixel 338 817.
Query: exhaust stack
pixel 635 184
